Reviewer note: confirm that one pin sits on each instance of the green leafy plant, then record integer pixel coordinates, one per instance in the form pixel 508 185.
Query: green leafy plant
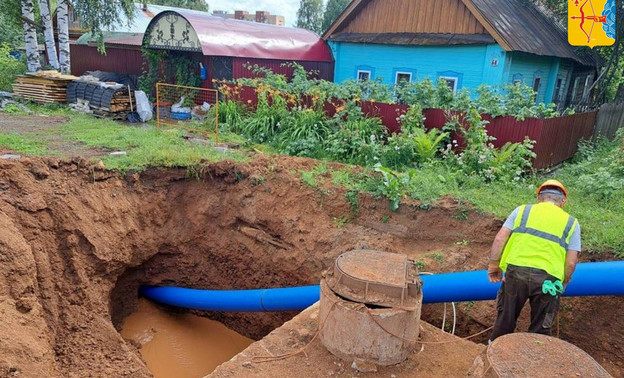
pixel 306 124
pixel 231 114
pixel 426 144
pixel 263 125
pixel 9 67
pixel 341 221
pixel 352 196
pixel 437 256
pixel 356 141
pixel 394 185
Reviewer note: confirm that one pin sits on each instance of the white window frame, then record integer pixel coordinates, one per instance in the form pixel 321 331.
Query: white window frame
pixel 454 78
pixel 364 71
pixel 396 76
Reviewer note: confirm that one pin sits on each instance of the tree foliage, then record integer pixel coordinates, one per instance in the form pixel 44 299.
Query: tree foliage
pixel 11 29
pixel 310 15
pixel 332 11
pixel 198 5
pixel 9 67
pixel 99 15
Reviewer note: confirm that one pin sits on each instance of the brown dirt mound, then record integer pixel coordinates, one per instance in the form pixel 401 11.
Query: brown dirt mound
pixel 76 241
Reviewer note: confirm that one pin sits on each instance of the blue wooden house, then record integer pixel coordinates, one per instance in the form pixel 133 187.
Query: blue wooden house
pixel 465 42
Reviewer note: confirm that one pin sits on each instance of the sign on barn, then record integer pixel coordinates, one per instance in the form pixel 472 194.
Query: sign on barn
pixel 173 32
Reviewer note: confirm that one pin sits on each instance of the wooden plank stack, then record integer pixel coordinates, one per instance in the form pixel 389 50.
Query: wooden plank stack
pixel 45 87
pixel 105 99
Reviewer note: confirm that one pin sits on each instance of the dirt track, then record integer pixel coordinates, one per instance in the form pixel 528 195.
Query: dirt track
pixel 76 241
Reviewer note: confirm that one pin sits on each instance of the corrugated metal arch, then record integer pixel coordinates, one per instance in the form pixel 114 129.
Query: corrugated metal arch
pixel 234 38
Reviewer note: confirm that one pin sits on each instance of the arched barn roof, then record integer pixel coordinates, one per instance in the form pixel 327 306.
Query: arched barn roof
pixel 187 30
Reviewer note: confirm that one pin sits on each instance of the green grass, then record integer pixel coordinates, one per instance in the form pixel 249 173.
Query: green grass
pixel 25 144
pixel 311 177
pixel 145 146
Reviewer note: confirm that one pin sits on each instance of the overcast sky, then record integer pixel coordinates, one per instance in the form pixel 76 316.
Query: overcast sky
pixel 286 8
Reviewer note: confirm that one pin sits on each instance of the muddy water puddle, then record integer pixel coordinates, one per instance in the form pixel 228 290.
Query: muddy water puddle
pixel 181 345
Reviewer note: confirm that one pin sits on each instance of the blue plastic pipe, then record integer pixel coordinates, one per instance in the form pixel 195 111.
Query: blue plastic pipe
pixel 282 299
pixel 602 278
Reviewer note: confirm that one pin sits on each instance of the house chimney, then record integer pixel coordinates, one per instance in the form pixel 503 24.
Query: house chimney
pixel 145 5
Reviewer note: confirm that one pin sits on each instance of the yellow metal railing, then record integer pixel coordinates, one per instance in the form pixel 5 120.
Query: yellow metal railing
pixel 188 108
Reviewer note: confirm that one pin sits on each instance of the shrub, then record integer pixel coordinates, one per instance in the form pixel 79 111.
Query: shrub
pixel 600 168
pixel 481 158
pixel 417 146
pixel 356 141
pixel 9 67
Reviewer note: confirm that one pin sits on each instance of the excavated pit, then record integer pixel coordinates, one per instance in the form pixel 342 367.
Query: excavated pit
pixel 76 241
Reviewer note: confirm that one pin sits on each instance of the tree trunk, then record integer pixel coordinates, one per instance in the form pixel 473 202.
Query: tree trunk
pixel 62 18
pixel 48 33
pixel 30 36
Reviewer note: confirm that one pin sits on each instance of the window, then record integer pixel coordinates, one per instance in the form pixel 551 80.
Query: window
pixel 516 79
pixel 452 78
pixel 451 82
pixel 575 89
pixel 558 90
pixel 363 75
pixel 586 85
pixel 403 77
pixel 536 84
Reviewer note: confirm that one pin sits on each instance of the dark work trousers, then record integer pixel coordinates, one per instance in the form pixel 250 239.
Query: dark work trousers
pixel 522 283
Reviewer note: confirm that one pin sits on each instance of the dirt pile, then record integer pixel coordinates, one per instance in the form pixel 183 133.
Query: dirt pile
pixel 76 241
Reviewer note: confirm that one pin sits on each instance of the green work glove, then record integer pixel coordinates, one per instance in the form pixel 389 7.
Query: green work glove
pixel 552 288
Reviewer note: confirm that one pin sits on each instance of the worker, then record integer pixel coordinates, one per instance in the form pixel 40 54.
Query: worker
pixel 537 247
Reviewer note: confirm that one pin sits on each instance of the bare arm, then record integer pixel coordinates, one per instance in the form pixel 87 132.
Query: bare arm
pixel 495 274
pixel 570 265
pixel 499 244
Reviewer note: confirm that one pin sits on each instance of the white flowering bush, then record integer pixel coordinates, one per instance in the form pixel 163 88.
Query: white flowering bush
pixel 481 158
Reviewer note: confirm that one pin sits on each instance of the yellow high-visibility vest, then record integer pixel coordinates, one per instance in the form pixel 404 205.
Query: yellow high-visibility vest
pixel 540 239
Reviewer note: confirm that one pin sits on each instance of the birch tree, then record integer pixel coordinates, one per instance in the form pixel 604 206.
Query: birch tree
pixel 30 36
pixel 48 33
pixel 62 20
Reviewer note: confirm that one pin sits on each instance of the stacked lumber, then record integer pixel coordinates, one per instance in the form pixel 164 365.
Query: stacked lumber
pixel 45 87
pixel 109 100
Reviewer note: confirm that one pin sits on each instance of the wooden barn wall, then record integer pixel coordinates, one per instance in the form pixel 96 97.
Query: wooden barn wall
pixel 120 60
pixel 414 16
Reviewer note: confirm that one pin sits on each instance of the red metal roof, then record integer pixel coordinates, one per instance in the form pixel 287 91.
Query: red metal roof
pixel 226 37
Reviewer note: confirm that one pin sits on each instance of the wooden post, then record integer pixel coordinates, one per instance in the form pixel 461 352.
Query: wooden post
pixel 157 106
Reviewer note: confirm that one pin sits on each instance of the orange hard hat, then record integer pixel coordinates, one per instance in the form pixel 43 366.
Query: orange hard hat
pixel 552 183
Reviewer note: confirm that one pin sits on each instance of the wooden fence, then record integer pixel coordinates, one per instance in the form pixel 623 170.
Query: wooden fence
pixel 556 139
pixel 610 118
